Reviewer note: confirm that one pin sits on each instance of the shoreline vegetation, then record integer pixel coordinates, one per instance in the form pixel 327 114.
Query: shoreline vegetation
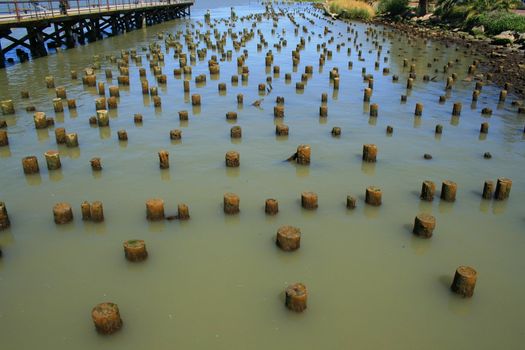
pixel 490 28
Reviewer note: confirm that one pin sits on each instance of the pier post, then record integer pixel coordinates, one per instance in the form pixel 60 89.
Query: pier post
pixel 36 41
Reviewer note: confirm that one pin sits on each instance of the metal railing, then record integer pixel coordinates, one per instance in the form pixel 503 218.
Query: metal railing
pixel 24 10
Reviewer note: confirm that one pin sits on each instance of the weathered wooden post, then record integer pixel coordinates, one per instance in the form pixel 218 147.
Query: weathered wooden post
pixel 464 281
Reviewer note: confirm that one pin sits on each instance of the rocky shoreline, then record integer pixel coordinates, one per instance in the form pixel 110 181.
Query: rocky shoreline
pixel 505 63
pixel 504 54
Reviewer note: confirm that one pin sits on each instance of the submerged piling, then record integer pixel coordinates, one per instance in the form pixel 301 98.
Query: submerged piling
pixel 4 217
pixel 288 238
pixel 231 203
pixel 464 281
pixel 369 153
pixel 62 213
pixel 427 190
pixel 373 196
pixel 296 297
pixel 155 209
pixel 106 317
pixel 424 225
pixel 30 165
pixel 164 160
pixel 503 187
pixel 309 200
pixel 448 191
pixel 135 250
pixel 52 160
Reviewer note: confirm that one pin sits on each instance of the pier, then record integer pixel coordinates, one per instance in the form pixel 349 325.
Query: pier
pixel 67 23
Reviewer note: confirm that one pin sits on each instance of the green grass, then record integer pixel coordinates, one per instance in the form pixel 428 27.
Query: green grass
pixel 353 10
pixel 393 7
pixel 497 22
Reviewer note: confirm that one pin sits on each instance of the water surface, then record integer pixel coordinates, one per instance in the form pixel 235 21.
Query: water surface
pixel 217 282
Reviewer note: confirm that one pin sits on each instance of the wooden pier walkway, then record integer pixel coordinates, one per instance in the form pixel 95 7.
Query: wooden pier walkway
pixel 58 23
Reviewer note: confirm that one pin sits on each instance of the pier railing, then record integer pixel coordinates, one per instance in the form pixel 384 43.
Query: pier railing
pixel 23 10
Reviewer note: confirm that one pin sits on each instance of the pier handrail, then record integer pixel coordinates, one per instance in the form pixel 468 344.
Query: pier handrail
pixel 24 10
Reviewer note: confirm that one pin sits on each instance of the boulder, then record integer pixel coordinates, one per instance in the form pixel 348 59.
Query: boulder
pixel 478 30
pixel 503 38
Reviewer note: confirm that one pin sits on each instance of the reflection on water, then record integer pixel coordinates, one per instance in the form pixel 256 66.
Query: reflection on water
pixel 216 281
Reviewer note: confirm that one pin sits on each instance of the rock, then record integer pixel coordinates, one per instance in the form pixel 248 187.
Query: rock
pixel 427 156
pixel 478 30
pixel 503 38
pixel 425 18
pixel 487 155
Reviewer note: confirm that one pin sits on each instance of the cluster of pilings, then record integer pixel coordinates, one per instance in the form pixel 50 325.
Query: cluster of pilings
pixel 106 316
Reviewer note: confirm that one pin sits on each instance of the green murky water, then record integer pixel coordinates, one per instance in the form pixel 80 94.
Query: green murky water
pixel 217 282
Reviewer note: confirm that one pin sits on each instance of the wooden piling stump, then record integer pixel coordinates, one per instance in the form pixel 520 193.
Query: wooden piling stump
pixel 373 196
pixel 448 191
pixel 288 238
pixel 58 106
pixel 106 317
pixel 488 189
pixel 196 100
pixel 155 209
pixel 336 131
pixel 278 111
pixel 52 160
pixel 164 159
pixel 231 116
pixel 71 104
pixel 175 134
pixel 367 95
pixel 135 250
pixel 419 109
pixel 374 110
pixel 281 130
pixel 309 200
pixel 157 101
pixel 72 140
pixel 122 135
pixel 232 159
pixel 102 117
pixel 231 203
pixel 502 95
pixel 351 202
pixel 30 165
pixel 323 111
pixel 503 187
pixel 296 297
pixel 236 132
pixel 183 115
pixel 97 211
pixel 303 154
pixel 61 92
pixel 50 81
pixel 424 225
pixel 100 103
pixel 484 128
pixel 40 120
pixel 114 91
pixel 464 281
pixel 183 212
pixel 96 164
pixel 85 209
pixel 370 153
pixel 456 109
pixel 4 140
pixel 4 217
pixel 427 190
pixel 271 206
pixel 62 213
